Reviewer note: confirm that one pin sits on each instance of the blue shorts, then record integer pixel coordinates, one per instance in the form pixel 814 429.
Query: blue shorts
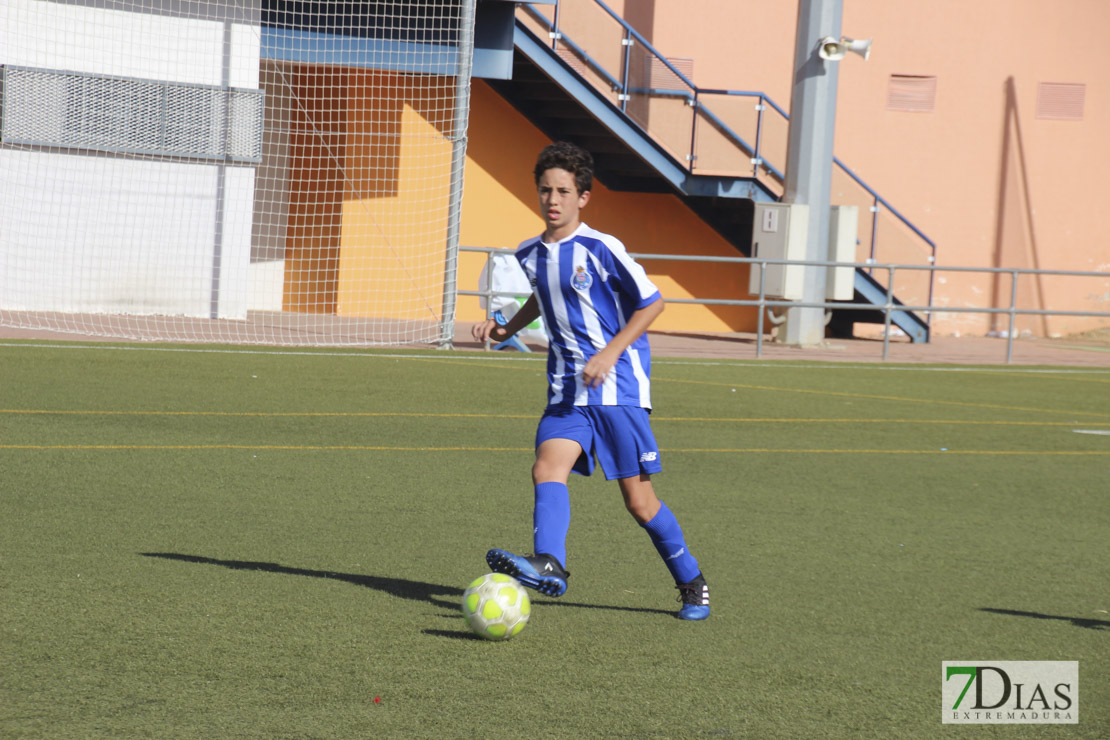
pixel 619 436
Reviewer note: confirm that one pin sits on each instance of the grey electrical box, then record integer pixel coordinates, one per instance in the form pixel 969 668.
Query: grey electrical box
pixel 779 233
pixel 843 225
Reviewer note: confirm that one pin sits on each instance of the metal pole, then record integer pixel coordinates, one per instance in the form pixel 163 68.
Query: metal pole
pixel 809 158
pixel 756 160
pixel 886 311
pixel 694 132
pixel 555 35
pixel 221 177
pixel 762 308
pixel 874 229
pixel 626 65
pixel 932 280
pixel 1013 309
pixel 458 166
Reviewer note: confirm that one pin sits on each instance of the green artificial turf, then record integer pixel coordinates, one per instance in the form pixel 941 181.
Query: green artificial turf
pixel 237 542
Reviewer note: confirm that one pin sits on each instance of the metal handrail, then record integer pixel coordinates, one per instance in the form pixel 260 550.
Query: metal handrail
pixel 887 308
pixel 694 97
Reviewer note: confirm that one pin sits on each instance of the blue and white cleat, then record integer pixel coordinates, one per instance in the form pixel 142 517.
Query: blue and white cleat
pixel 695 599
pixel 540 572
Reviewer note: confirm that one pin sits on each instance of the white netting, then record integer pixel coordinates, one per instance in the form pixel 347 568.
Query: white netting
pixel 258 171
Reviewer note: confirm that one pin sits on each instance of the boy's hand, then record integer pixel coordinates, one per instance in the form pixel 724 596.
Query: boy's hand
pixel 598 367
pixel 489 330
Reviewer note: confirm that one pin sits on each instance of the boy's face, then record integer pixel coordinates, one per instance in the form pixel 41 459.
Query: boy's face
pixel 560 203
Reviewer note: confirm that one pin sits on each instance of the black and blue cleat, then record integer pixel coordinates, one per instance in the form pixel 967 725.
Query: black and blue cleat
pixel 540 572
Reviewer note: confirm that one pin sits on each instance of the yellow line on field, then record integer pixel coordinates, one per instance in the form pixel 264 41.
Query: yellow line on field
pixel 1047 375
pixel 490 364
pixel 717 420
pixel 392 448
pixel 1043 453
pixel 419 415
pixel 325 414
pixel 873 397
pixel 293 448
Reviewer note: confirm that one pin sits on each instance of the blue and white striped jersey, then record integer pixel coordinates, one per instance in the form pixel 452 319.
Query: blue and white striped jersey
pixel 587 287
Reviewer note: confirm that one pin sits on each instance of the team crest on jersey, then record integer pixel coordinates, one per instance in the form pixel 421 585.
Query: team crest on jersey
pixel 581 280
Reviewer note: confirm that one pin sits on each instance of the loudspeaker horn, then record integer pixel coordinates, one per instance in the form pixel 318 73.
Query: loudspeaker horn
pixel 832 50
pixel 861 47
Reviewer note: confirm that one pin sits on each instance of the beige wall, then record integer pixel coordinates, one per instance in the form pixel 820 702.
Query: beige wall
pixel 991 183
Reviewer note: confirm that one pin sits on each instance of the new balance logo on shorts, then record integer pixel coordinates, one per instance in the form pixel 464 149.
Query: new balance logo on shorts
pixel 649 456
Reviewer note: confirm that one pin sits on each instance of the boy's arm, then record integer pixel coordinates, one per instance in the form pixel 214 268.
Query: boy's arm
pixel 490 331
pixel 600 364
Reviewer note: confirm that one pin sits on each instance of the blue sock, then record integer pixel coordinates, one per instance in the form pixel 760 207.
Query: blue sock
pixel 667 537
pixel 551 519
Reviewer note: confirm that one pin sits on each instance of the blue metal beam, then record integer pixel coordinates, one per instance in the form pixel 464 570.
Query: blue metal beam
pixel 874 293
pixel 315 47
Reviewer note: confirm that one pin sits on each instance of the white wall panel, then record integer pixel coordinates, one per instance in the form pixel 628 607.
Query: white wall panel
pixel 119 236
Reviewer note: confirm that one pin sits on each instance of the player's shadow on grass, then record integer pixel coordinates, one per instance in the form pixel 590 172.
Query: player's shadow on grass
pixel 1091 624
pixel 400 587
pixel 453 634
pixel 634 609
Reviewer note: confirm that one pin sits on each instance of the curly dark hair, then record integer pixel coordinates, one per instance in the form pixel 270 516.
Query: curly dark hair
pixel 570 157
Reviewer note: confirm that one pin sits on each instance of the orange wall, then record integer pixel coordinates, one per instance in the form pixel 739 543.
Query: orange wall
pixel 368 193
pixel 395 197
pixel 315 193
pixel 500 210
pixel 988 181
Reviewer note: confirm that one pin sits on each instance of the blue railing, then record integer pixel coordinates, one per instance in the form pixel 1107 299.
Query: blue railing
pixel 693 96
pixel 879 200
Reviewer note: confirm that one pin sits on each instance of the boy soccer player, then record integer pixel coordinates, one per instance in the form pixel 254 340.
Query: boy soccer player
pixel 597 303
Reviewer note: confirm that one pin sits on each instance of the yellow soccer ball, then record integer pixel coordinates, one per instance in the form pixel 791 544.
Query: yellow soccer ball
pixel 496 606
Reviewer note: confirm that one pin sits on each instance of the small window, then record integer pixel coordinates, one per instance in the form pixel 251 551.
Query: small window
pixel 912 93
pixel 1061 101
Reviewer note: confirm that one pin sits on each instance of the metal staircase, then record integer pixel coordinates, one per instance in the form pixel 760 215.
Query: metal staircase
pixel 556 96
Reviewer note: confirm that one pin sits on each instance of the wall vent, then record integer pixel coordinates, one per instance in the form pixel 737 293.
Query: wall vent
pixel 912 93
pixel 1061 101
pixel 52 108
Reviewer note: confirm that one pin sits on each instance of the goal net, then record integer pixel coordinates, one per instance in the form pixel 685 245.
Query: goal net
pixel 243 171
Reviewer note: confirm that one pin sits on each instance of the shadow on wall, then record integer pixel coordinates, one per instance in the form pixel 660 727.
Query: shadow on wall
pixel 1015 233
pixel 317 153
pixel 347 134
